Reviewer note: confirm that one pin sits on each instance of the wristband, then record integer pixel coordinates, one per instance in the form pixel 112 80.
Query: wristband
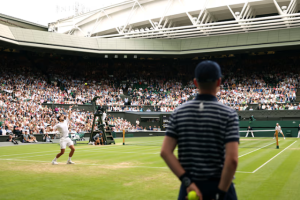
pixel 186 179
pixel 220 195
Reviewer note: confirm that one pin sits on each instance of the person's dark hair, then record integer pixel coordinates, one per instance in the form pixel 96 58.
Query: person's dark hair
pixel 58 117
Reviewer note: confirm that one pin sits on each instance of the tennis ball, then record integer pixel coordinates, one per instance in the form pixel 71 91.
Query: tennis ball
pixel 85 83
pixel 192 195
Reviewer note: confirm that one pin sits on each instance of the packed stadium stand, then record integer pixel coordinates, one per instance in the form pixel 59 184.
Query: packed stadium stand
pixel 30 81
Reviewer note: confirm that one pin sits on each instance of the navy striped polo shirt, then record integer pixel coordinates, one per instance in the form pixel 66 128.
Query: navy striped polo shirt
pixel 202 127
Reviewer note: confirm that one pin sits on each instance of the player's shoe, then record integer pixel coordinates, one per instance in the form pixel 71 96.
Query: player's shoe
pixel 54 163
pixel 284 137
pixel 70 162
pixel 273 137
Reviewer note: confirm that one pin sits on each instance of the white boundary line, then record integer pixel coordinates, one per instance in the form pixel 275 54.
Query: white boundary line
pixel 89 147
pixel 273 157
pixel 34 152
pixel 93 149
pixel 8 159
pixel 92 152
pixel 244 172
pixel 256 149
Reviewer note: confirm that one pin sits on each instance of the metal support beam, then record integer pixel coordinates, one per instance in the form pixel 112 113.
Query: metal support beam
pixel 111 20
pixel 237 18
pixel 278 8
pixel 145 13
pixel 244 7
pixel 165 12
pixel 84 33
pixel 81 22
pixel 96 26
pixel 290 5
pixel 170 24
pixel 130 27
pixel 129 17
pixel 282 13
pixel 206 13
pixel 231 12
pixel 201 12
pixel 166 21
pixel 69 33
pixel 247 11
pixel 208 18
pixel 188 14
pixel 293 8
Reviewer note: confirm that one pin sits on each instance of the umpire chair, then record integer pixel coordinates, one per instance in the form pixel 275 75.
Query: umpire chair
pixel 107 134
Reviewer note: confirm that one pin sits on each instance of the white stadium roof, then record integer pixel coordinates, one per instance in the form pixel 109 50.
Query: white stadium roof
pixel 170 19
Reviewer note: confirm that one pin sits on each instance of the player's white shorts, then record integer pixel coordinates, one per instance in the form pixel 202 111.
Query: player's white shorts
pixel 65 142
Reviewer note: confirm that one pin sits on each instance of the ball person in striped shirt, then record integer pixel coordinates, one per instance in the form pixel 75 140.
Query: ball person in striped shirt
pixel 207 135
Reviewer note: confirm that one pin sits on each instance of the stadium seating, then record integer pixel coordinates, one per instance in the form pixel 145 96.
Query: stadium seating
pixel 30 81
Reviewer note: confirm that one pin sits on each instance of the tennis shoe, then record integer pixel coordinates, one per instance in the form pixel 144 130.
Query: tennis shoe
pixel 70 162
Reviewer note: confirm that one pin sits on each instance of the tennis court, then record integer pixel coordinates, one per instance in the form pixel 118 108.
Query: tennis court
pixel 136 171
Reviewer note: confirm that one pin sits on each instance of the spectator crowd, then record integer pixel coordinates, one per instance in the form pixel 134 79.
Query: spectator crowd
pixel 28 81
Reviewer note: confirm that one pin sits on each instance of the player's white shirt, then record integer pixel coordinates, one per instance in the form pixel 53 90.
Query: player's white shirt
pixel 277 128
pixel 62 127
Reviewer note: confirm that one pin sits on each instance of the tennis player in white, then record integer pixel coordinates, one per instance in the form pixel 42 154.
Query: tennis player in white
pixel 62 128
pixel 278 128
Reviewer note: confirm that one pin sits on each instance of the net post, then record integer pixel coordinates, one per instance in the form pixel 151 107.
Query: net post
pixel 123 136
pixel 277 145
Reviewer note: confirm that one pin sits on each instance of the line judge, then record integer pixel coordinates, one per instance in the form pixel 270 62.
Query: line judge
pixel 204 130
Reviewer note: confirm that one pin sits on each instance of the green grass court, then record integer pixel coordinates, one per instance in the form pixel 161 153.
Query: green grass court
pixel 136 171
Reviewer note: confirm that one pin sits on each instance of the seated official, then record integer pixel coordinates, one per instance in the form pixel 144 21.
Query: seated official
pixel 97 138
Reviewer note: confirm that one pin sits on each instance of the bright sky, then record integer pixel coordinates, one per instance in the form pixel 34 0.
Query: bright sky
pixel 46 11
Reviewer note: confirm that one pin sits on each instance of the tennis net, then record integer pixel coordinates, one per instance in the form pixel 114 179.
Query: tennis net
pixel 144 141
